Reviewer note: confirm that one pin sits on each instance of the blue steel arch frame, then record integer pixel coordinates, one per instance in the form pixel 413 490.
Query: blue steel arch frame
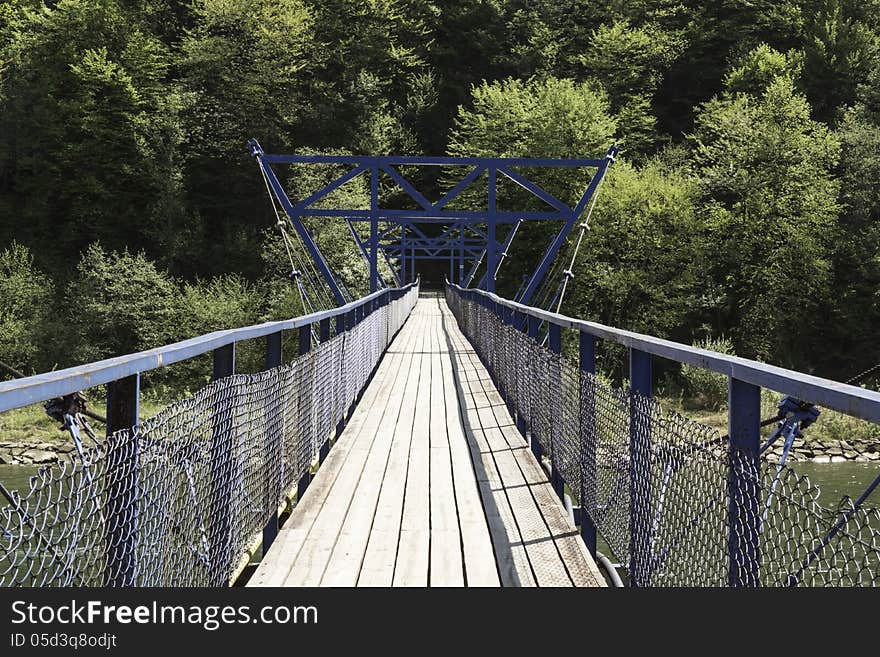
pixel 467 235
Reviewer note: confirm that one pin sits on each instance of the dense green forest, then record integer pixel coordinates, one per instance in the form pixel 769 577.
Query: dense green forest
pixel 744 209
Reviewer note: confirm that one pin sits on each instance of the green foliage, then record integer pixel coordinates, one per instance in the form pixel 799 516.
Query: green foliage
pixel 840 46
pixel 220 303
pixel 538 118
pixel 87 130
pixel 852 344
pixel 641 264
pixel 707 390
pixel 630 61
pixel 758 68
pixel 771 208
pixel 533 118
pixel 119 303
pixel 25 310
pixel 125 123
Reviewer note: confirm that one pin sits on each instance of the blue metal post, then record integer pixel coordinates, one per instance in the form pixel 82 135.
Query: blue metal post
pixel 123 410
pixel 341 321
pixel 555 344
pixel 744 424
pixel 520 322
pixel 403 279
pixel 533 329
pixel 491 244
pixel 305 407
pixel 222 469
pixel 374 228
pixel 639 469
pixel 588 491
pixel 324 335
pixel 273 446
pixel 461 257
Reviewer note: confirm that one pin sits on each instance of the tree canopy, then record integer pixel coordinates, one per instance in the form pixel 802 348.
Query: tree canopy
pixel 744 204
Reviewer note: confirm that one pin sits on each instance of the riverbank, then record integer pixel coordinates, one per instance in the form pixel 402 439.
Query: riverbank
pixel 29 437
pixel 829 451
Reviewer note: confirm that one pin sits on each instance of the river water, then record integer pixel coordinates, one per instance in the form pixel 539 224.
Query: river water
pixel 833 479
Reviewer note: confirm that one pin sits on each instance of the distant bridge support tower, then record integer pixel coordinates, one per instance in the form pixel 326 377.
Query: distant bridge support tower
pixel 468 226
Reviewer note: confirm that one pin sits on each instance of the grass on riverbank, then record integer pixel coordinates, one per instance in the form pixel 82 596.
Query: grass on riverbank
pixel 31 426
pixel 831 426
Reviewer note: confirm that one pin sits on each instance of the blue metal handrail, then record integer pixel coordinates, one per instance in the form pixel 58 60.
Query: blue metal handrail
pixel 32 389
pixel 847 399
pixel 744 513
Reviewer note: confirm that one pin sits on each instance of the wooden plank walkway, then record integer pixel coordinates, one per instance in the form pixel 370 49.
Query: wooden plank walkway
pixel 430 484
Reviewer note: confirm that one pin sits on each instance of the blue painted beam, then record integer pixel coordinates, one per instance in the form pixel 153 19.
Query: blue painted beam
pixel 123 468
pixel 547 260
pixel 305 345
pixel 491 241
pixel 436 216
pixel 534 189
pixel 589 439
pixel 406 186
pixel 394 160
pixel 299 206
pixel 374 229
pixel 273 440
pixel 219 506
pixel 363 250
pixel 640 539
pixel 303 233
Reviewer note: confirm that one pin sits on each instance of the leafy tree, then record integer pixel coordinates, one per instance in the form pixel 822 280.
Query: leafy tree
pixel 642 263
pixel 758 68
pixel 87 130
pixel 25 310
pixel 535 118
pixel 857 253
pixel 714 34
pixel 244 70
pixel 369 57
pixel 630 61
pixel 771 208
pixel 840 46
pixel 119 303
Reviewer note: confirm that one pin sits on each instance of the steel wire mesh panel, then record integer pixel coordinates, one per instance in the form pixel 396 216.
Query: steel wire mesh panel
pixel 660 487
pixel 177 500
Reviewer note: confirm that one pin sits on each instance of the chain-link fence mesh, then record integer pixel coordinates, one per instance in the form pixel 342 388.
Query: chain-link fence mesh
pixel 665 493
pixel 177 500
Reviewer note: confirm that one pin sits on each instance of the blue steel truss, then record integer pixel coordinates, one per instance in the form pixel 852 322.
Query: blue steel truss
pixel 468 238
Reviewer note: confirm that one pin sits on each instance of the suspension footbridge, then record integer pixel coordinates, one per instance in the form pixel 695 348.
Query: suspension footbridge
pixel 432 438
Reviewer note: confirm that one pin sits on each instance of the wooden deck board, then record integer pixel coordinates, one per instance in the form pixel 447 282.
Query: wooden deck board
pixel 430 484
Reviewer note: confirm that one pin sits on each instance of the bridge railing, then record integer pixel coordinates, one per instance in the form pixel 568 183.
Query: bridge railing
pixel 186 497
pixel 676 502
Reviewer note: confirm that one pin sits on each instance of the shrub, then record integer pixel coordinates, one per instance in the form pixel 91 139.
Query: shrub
pixel 25 303
pixel 225 302
pixel 120 303
pixel 706 389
